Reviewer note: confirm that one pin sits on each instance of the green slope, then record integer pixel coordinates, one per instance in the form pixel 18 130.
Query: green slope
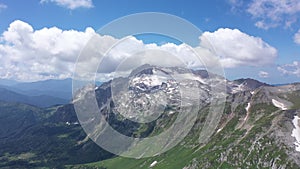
pixel 232 147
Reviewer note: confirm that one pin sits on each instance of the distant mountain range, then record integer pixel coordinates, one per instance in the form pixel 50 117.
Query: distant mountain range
pixel 42 93
pixel 39 101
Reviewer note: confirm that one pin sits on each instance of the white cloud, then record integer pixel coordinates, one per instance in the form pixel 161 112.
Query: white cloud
pixel 266 26
pixel 71 4
pixel 290 69
pixel 263 74
pixel 274 13
pixel 27 54
pixel 2 7
pixel 235 5
pixel 297 37
pixel 236 48
pixel 130 53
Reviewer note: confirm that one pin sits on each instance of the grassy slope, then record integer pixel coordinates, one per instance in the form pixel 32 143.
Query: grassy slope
pixel 37 142
pixel 230 148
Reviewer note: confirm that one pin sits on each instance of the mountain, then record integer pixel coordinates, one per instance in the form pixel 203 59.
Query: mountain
pixel 7 82
pixel 61 88
pixel 39 100
pixel 254 131
pixel 54 88
pixel 41 93
pixel 258 127
pixel 15 118
pixel 245 85
pixel 32 137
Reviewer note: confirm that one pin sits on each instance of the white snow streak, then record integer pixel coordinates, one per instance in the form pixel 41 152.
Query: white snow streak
pixel 248 107
pixel 220 129
pixel 279 104
pixel 296 133
pixel 153 164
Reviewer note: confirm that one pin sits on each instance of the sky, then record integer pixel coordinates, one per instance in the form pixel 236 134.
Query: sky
pixel 41 39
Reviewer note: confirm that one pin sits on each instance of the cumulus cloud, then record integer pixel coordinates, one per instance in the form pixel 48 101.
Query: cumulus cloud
pixel 130 53
pixel 236 48
pixel 71 4
pixel 2 7
pixel 274 13
pixel 263 74
pixel 27 54
pixel 290 69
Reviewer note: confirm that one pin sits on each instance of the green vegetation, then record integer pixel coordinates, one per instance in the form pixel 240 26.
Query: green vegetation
pixel 230 148
pixel 30 138
pixel 294 97
pixel 41 138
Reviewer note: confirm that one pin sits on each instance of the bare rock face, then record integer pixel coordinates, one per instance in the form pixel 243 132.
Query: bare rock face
pixel 255 129
pixel 282 132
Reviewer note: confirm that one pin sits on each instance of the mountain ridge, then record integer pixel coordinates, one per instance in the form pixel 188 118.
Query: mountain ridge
pixel 254 130
pixel 39 100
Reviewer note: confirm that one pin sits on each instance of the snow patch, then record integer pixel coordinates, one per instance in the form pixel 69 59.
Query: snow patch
pixel 153 164
pixel 248 107
pixel 153 80
pixel 171 112
pixel 189 76
pixel 279 104
pixel 238 88
pixel 296 133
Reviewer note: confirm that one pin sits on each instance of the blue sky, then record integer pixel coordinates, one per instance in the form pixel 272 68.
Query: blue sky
pixel 275 22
